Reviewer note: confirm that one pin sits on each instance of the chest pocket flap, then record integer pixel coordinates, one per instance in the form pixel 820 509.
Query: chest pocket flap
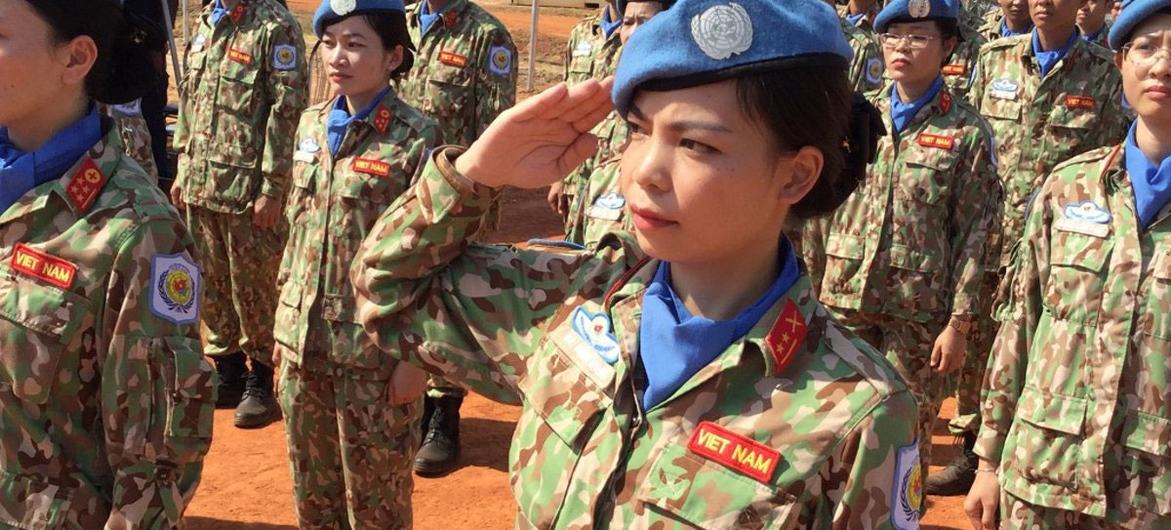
pixel 1001 109
pixel 39 323
pixel 566 387
pixel 1064 115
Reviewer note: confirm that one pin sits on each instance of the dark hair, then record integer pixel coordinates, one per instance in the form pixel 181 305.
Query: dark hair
pixel 813 105
pixel 125 66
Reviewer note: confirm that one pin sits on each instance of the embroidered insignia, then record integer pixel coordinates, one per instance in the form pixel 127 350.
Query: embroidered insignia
pixel 309 145
pixel 583 49
pixel 722 31
pixel 1004 88
pixel 174 293
pixel 1088 211
pixel 453 59
pixel 1079 102
pixel 919 8
pixel 874 69
pixel 738 453
pixel 85 185
pixel 500 60
pixel 240 56
pixel 284 57
pixel 1078 226
pixel 237 12
pixel 787 334
pixel 449 19
pixel 596 330
pixel 371 167
pixel 908 487
pixel 42 266
pixel 945 102
pixel 570 342
pixel 342 7
pixel 955 69
pixel 608 207
pixel 936 141
pixel 382 120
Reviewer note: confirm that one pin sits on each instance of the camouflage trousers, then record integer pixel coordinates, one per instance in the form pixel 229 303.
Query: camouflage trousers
pixel 968 381
pixel 239 263
pixel 351 453
pixel 907 345
pixel 1016 514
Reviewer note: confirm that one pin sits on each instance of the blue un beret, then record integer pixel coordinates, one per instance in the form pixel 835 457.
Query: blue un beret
pixel 1133 13
pixel 697 42
pixel 916 9
pixel 332 10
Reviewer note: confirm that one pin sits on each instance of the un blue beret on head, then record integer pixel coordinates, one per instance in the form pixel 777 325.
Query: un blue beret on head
pixel 697 42
pixel 331 10
pixel 1133 13
pixel 916 9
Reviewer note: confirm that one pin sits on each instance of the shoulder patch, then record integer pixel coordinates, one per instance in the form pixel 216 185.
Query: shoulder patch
pixel 284 57
pixel 134 108
pixel 874 70
pixel 907 490
pixel 174 289
pixel 500 60
pixel 85 185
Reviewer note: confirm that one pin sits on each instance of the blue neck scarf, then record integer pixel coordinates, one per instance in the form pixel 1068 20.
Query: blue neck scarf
pixel 217 12
pixel 674 344
pixel 854 20
pixel 1093 37
pixel 339 120
pixel 1005 32
pixel 902 113
pixel 1048 59
pixel 610 26
pixel 426 18
pixel 1151 180
pixel 21 171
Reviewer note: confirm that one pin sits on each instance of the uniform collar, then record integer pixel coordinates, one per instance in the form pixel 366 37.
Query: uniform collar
pixel 449 15
pixel 911 109
pixel 939 105
pixel 78 187
pixel 236 14
pixel 1073 51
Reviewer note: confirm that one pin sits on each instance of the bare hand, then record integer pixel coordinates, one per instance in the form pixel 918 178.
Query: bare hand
pixel 948 353
pixel 177 196
pixel 983 501
pixel 540 140
pixel 276 355
pixel 558 199
pixel 265 211
pixel 407 384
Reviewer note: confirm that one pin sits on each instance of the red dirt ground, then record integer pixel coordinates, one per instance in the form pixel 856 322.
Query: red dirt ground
pixel 246 481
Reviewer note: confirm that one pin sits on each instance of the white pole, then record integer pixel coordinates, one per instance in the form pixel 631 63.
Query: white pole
pixel 533 45
pixel 171 37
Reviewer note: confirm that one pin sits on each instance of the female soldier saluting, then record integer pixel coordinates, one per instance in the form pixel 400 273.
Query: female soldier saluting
pixel 105 399
pixel 699 383
pixel 351 454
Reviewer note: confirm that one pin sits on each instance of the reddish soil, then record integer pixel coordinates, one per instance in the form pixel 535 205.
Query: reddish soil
pixel 246 481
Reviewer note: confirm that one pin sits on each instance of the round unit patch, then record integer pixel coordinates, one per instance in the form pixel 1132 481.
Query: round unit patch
pixel 722 31
pixel 500 60
pixel 874 70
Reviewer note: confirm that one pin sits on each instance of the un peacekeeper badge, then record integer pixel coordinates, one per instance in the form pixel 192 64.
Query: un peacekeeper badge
pixel 919 8
pixel 608 207
pixel 874 68
pixel 200 40
pixel 583 49
pixel 284 57
pixel 908 487
pixel 722 31
pixel 342 7
pixel 588 340
pixel 307 151
pixel 1004 88
pixel 1085 218
pixel 500 60
pixel 174 289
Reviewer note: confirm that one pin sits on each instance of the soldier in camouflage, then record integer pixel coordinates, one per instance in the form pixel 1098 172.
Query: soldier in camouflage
pixel 866 68
pixel 902 262
pixel 860 13
pixel 1010 20
pixel 131 126
pixel 105 399
pixel 244 89
pixel 1076 426
pixel 789 421
pixel 1049 96
pixel 1091 21
pixel 351 452
pixel 464 76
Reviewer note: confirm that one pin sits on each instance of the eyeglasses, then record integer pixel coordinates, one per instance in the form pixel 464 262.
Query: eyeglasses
pixel 915 42
pixel 1145 54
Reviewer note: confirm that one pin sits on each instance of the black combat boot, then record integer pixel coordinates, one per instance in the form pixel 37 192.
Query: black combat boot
pixel 958 476
pixel 259 407
pixel 440 451
pixel 231 369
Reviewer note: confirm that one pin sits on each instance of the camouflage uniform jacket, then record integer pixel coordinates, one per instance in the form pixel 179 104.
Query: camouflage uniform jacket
pixel 603 208
pixel 136 139
pixel 749 442
pixel 866 68
pixel 1077 405
pixel 865 23
pixel 957 73
pixel 590 54
pixel 245 86
pixel 911 241
pixel 1039 122
pixel 105 398
pixel 331 207
pixel 465 70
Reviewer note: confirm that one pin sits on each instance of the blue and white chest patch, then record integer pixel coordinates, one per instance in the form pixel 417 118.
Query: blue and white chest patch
pixel 200 41
pixel 1004 88
pixel 907 490
pixel 174 289
pixel 583 49
pixel 1085 218
pixel 607 207
pixel 597 332
pixel 134 108
pixel 284 57
pixel 587 341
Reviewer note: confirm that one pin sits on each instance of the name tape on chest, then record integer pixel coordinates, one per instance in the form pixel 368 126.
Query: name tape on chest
pixel 371 166
pixel 1079 102
pixel 85 185
pixel 37 264
pixel 955 69
pixel 240 56
pixel 453 59
pixel 936 141
pixel 738 453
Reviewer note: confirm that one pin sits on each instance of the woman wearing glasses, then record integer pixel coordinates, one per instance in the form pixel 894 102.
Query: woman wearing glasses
pixel 1077 410
pixel 901 263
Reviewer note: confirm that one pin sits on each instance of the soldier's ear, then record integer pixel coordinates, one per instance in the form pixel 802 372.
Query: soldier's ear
pixel 394 59
pixel 1118 58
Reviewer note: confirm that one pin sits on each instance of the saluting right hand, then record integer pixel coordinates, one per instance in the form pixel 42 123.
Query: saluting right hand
pixel 540 140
